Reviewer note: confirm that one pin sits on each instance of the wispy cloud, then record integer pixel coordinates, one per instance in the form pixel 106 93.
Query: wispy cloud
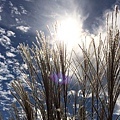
pixel 2 78
pixel 23 28
pixel 23 10
pixel 15 11
pixel 9 67
pixel 2 31
pixel 5 41
pixel 10 54
pixel 3 70
pixel 10 33
pixel 1 9
pixel 1 56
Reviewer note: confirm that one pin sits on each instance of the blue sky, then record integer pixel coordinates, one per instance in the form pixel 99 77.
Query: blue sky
pixel 19 20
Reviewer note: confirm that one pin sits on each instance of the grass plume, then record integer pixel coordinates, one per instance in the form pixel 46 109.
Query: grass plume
pixel 61 87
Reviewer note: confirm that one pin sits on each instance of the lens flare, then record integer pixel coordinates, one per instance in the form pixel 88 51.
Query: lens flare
pixel 60 78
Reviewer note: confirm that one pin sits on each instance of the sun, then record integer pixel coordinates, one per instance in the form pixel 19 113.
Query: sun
pixel 69 31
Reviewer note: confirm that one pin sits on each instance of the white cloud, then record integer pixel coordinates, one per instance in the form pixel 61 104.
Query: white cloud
pixel 1 56
pixel 10 76
pixel 23 10
pixel 3 68
pixel 23 28
pixel 1 87
pixel 4 94
pixel 3 78
pixel 24 66
pixel 2 31
pixel 1 9
pixel 2 64
pixel 9 61
pixel 9 54
pixel 15 11
pixel 10 33
pixel 17 20
pixel 5 41
pixel 10 3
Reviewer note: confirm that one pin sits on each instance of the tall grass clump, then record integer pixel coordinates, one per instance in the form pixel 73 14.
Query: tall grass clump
pixel 100 73
pixel 48 70
pixel 63 87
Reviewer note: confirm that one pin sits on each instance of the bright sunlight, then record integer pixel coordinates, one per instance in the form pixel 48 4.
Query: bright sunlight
pixel 69 31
